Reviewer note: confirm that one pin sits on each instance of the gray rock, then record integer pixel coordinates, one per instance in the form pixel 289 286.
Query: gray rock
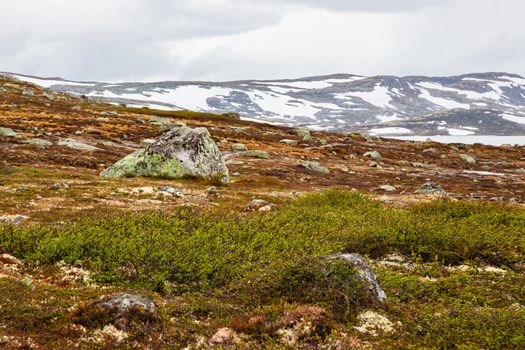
pixel 314 166
pixel 467 159
pixel 75 144
pixel 123 303
pixel 13 219
pixel 39 142
pixel 364 273
pixel 304 133
pixel 374 155
pixel 234 162
pixel 146 142
pixel 432 152
pixel 387 188
pixel 239 147
pixel 8 132
pixel 257 154
pixel 173 191
pixel 48 95
pixel 58 185
pixel 181 152
pixel 28 92
pixel 431 188
pixel 289 142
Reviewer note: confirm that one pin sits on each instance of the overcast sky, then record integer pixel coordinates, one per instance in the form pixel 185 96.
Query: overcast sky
pixel 144 40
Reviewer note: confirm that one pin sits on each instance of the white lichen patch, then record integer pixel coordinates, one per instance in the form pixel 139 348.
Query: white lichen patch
pixel 374 324
pixel 108 333
pixel 74 274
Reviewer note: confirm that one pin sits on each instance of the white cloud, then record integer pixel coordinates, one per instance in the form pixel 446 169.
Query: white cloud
pixel 237 39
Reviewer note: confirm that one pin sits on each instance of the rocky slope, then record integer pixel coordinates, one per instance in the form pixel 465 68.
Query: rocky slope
pixel 471 104
pixel 264 261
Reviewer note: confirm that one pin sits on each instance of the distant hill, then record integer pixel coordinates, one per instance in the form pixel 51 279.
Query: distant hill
pixel 470 104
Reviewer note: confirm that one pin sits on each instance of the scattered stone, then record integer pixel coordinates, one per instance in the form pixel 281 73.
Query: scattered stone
pixel 257 154
pixel 79 132
pixel 304 133
pixel 239 147
pixel 38 142
pixel 108 333
pixel 8 132
pixel 467 159
pixel 418 164
pixel 112 113
pixel 431 188
pixel 364 273
pixel 234 162
pixel 374 155
pixel 225 336
pixel 314 166
pixel 58 185
pixel 375 165
pixel 146 142
pixel 74 144
pixel 289 142
pixel 387 188
pixel 123 303
pixel 76 108
pixel 432 152
pixel 374 324
pixel 172 191
pixel 28 92
pixel 258 205
pixel 48 95
pixel 181 152
pixel 13 219
pixel 349 156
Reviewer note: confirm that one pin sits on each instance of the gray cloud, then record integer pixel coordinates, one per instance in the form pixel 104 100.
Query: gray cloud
pixel 236 39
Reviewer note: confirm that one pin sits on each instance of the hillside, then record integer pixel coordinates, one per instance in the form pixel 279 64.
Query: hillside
pixel 261 261
pixel 470 104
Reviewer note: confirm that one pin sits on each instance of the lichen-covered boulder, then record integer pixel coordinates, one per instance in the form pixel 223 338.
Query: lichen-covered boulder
pixel 179 153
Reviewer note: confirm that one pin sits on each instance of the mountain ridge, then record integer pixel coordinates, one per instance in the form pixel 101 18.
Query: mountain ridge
pixel 381 104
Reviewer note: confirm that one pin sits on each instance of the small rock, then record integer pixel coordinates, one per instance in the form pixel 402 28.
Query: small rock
pixel 349 156
pixel 234 162
pixel 38 142
pixel 375 165
pixel 373 154
pixel 58 185
pixel 432 152
pixel 257 154
pixel 387 188
pixel 74 144
pixel 76 108
pixel 364 273
pixel 314 166
pixel 225 336
pixel 28 92
pixel 146 142
pixel 289 142
pixel 123 303
pixel 48 95
pixel 258 205
pixel 467 159
pixel 170 190
pixel 431 188
pixel 13 219
pixel 239 147
pixel 304 133
pixel 7 132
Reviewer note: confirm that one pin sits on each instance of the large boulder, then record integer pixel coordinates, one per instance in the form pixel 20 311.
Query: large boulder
pixel 179 153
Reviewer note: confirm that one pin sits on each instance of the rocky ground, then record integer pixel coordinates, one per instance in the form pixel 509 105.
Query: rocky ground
pixel 53 148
